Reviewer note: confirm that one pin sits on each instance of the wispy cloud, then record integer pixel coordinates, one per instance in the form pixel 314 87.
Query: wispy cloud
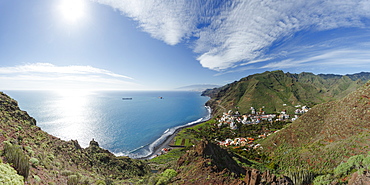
pixel 236 33
pixel 169 21
pixel 52 76
pixel 48 68
pixel 336 58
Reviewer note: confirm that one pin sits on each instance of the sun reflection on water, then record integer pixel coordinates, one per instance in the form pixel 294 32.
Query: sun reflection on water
pixel 74 110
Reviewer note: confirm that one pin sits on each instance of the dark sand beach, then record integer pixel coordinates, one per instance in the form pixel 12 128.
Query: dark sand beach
pixel 166 144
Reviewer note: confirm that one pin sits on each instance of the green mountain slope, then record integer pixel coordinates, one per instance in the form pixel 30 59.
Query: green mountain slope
pixel 327 135
pixel 277 91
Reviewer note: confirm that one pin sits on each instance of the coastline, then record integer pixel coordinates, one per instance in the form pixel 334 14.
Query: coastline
pixel 166 143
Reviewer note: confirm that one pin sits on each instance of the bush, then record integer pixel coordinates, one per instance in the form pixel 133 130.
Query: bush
pixel 100 182
pixel 166 176
pixel 34 162
pixel 72 180
pixel 356 161
pixel 342 169
pixel 169 173
pixel 29 150
pixel 323 180
pixel 66 173
pixel 366 162
pixel 9 175
pixel 37 178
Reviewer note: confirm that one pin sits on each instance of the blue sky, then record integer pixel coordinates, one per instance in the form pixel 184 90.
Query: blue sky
pixel 166 44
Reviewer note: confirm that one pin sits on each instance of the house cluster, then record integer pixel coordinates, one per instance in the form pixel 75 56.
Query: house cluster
pixel 245 142
pixel 232 119
pixel 236 142
pixel 248 142
pixel 301 110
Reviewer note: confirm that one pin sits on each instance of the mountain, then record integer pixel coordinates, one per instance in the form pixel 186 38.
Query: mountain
pixel 44 159
pixel 277 91
pixel 329 144
pixel 326 136
pixel 200 87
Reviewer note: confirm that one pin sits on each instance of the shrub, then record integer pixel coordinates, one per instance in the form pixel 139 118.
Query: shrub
pixel 355 161
pixel 37 178
pixel 366 162
pixel 72 180
pixel 100 182
pixel 342 169
pixel 34 162
pixel 66 173
pixel 9 175
pixel 29 150
pixel 323 180
pixel 169 173
pixel 166 176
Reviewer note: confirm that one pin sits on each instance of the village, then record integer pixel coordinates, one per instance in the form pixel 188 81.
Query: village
pixel 233 119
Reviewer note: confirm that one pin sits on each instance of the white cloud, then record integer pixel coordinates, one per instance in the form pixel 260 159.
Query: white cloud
pixel 30 76
pixel 50 68
pixel 336 58
pixel 169 21
pixel 234 33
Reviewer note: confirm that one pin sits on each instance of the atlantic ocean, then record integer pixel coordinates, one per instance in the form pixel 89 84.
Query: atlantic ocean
pixel 129 123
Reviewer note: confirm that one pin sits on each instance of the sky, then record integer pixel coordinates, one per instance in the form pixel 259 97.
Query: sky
pixel 167 44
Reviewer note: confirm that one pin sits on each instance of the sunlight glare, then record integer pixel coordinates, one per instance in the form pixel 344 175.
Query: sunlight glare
pixel 76 112
pixel 72 10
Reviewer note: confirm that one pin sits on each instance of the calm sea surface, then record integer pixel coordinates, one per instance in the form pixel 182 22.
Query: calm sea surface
pixel 125 127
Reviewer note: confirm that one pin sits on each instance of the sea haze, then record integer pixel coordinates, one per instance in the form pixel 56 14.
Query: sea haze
pixel 131 127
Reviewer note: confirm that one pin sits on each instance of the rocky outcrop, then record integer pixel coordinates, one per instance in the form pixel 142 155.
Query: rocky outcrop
pixel 207 163
pixel 211 164
pixel 10 107
pixel 360 179
pixel 254 177
pixel 219 158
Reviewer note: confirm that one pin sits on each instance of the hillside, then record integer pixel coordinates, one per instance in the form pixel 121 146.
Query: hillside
pixel 45 159
pixel 327 135
pixel 277 91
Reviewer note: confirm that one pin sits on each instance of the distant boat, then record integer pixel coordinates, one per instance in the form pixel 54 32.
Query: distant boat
pixel 126 98
pixel 160 97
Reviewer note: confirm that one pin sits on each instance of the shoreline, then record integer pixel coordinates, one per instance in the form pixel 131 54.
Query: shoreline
pixel 166 143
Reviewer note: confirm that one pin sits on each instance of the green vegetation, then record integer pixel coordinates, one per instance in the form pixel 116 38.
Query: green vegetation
pixel 327 144
pixel 9 176
pixel 355 164
pixel 34 162
pixel 190 136
pixel 166 176
pixel 274 89
pixel 170 157
pixel 14 155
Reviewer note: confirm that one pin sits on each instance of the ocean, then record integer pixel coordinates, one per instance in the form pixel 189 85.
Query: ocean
pixel 129 123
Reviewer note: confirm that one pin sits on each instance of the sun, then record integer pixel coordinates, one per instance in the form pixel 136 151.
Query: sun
pixel 72 11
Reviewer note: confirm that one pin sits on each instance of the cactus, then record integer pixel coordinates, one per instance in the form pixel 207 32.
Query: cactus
pixel 301 176
pixel 14 154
